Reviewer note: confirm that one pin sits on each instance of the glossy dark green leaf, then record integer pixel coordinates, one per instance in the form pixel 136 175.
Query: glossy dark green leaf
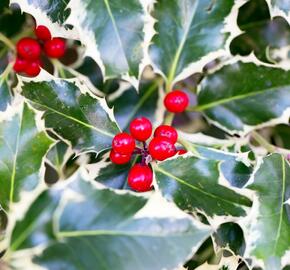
pixel 236 172
pixel 261 33
pixel 231 236
pixel 131 104
pixel 270 227
pixel 82 119
pixel 114 236
pixel 116 29
pixel 187 30
pixel 22 148
pixel 36 228
pixel 5 95
pixel 241 96
pixel 192 183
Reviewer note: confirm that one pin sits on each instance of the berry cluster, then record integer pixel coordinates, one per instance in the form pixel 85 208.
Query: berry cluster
pixel 161 147
pixel 29 51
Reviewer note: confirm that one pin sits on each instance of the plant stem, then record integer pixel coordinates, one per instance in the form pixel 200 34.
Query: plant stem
pixel 5 73
pixel 259 139
pixel 189 146
pixel 7 42
pixel 59 67
pixel 169 118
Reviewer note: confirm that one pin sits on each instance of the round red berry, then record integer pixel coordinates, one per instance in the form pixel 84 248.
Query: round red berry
pixel 42 33
pixel 140 178
pixel 161 148
pixel 141 128
pixel 176 101
pixel 123 143
pixel 165 131
pixel 20 64
pixel 55 48
pixel 118 158
pixel 32 69
pixel 28 48
pixel 181 152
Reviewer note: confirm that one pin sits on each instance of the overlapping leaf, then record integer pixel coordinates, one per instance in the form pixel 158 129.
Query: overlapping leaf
pixel 270 229
pixel 192 183
pixel 235 171
pixel 118 232
pixel 187 30
pixel 83 120
pixel 22 148
pixel 241 96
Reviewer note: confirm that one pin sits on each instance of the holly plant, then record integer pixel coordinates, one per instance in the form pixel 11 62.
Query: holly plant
pixel 144 134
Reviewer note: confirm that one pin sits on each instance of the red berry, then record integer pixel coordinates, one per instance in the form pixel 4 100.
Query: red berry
pixel 20 64
pixel 140 178
pixel 123 143
pixel 181 152
pixel 176 101
pixel 168 132
pixel 118 158
pixel 161 148
pixel 55 48
pixel 42 33
pixel 32 69
pixel 141 128
pixel 28 48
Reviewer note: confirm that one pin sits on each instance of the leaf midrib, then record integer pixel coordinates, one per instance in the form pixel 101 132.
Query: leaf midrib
pixel 67 234
pixel 75 120
pixel 237 97
pixel 176 58
pixel 282 202
pixel 116 29
pixel 194 187
pixel 13 174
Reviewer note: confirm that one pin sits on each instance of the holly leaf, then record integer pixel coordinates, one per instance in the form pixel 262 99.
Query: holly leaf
pixel 129 104
pixel 230 100
pixel 36 228
pixel 192 183
pixel 261 33
pixel 231 236
pixel 236 172
pixel 189 34
pixel 22 147
pixel 120 226
pixel 269 232
pixel 5 95
pixel 77 116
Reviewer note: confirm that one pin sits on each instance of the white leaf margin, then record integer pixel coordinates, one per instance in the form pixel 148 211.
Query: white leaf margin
pixel 283 119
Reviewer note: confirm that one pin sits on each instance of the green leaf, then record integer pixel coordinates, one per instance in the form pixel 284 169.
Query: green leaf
pixel 22 147
pixel 113 29
pixel 118 233
pixel 85 121
pixel 261 33
pixel 270 227
pixel 187 30
pixel 192 183
pixel 130 104
pixel 234 171
pixel 5 95
pixel 230 235
pixel 36 228
pixel 231 100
